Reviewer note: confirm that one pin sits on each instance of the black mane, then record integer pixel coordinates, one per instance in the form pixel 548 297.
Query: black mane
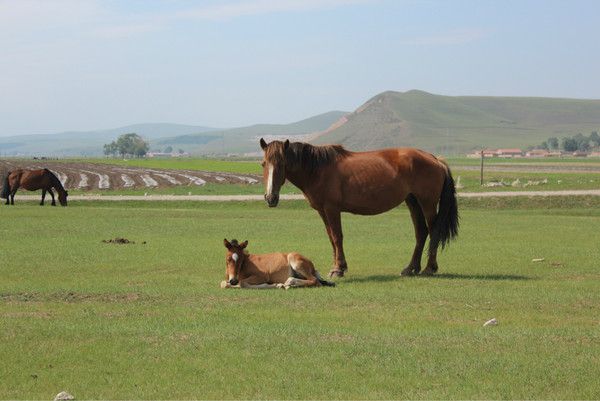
pixel 310 158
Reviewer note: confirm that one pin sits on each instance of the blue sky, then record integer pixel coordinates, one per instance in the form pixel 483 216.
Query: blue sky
pixel 90 64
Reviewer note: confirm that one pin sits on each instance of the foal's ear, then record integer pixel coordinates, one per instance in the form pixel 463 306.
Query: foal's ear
pixel 263 144
pixel 226 243
pixel 244 244
pixel 286 144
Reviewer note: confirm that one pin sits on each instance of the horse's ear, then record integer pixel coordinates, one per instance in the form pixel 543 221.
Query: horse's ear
pixel 244 244
pixel 286 144
pixel 263 144
pixel 226 243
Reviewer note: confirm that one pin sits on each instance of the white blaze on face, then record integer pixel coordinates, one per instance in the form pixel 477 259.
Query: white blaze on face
pixel 270 181
pixel 235 258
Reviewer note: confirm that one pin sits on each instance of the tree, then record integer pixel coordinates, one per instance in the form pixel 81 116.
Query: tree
pixel 168 149
pixel 570 144
pixel 110 149
pixel 128 144
pixel 544 145
pixel 553 143
pixel 595 138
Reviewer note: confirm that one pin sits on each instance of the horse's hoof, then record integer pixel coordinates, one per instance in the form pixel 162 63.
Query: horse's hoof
pixel 409 271
pixel 336 273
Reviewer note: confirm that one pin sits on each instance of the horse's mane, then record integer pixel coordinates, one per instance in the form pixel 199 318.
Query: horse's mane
pixel 55 181
pixel 310 158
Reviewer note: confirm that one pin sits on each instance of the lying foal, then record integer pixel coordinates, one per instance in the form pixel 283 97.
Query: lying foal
pixel 270 270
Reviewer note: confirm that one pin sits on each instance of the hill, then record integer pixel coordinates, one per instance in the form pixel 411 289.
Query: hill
pixel 457 124
pixel 194 139
pixel 245 139
pixel 87 143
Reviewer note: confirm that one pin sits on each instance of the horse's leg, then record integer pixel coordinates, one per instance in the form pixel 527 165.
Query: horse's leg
pixel 328 229
pixel 418 219
pixel 52 195
pixel 43 196
pixel 334 219
pixel 12 196
pixel 430 212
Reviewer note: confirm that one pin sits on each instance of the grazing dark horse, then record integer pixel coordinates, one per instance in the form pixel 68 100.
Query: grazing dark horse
pixel 336 180
pixel 33 180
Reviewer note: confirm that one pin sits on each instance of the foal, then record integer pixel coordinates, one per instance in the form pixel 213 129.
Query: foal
pixel 270 270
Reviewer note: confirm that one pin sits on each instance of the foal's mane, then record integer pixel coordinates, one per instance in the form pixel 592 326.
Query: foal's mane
pixel 309 158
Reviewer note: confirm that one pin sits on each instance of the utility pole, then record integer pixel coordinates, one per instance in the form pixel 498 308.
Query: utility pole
pixel 481 175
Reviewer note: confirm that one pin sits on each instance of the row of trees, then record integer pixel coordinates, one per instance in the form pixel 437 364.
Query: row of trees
pixel 127 145
pixel 571 144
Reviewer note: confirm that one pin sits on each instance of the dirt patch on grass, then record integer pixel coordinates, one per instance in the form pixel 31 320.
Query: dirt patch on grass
pixel 119 240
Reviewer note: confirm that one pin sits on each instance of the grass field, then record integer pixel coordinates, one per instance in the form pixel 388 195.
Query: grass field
pixel 149 321
pixel 525 174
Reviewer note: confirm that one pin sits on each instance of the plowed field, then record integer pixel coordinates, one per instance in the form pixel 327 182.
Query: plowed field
pixel 104 176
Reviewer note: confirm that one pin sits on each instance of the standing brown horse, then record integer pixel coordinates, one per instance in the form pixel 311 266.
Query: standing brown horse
pixel 33 180
pixel 335 180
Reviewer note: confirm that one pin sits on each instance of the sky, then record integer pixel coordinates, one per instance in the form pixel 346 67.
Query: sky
pixel 94 64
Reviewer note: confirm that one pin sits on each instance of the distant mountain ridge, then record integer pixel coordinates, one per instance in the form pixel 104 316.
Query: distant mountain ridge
pixel 194 139
pixel 458 124
pixel 442 124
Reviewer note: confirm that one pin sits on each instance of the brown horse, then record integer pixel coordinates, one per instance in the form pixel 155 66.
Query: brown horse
pixel 33 180
pixel 336 180
pixel 271 270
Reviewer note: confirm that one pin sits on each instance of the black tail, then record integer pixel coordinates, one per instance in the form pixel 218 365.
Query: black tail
pixel 5 187
pixel 324 282
pixel 445 226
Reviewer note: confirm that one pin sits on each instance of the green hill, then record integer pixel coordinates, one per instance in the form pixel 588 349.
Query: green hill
pixel 458 124
pixel 87 143
pixel 245 139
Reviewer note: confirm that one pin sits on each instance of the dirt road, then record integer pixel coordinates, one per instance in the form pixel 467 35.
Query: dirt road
pixel 226 198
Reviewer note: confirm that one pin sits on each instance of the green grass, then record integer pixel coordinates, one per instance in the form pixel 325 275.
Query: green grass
pixel 148 321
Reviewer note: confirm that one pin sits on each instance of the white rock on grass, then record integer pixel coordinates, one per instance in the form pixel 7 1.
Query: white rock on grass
pixel 63 396
pixel 491 322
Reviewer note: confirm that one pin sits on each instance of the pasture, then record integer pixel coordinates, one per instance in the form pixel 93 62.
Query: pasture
pixel 149 321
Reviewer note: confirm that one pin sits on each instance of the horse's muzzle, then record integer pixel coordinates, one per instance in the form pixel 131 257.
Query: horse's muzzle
pixel 272 200
pixel 233 281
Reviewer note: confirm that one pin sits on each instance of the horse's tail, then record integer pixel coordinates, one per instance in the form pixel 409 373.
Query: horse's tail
pixel 324 282
pixel 5 187
pixel 445 225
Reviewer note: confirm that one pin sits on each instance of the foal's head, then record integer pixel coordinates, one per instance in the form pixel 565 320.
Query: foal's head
pixel 234 259
pixel 273 169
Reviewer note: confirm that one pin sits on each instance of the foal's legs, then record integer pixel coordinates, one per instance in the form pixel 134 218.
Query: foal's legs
pixel 304 268
pixel 418 219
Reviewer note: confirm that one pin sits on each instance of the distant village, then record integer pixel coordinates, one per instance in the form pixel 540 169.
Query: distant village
pixel 534 153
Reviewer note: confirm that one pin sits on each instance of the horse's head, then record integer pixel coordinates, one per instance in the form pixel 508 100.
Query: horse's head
pixel 62 197
pixel 234 260
pixel 273 169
